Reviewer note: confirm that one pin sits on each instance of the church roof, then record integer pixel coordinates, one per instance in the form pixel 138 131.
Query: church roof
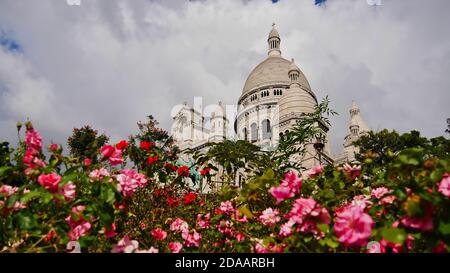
pixel 272 71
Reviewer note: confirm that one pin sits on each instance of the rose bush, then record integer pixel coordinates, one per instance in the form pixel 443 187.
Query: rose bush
pixel 136 197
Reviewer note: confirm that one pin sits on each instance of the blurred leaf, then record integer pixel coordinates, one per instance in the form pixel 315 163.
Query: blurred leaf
pixel 444 228
pixel 394 235
pixel 244 210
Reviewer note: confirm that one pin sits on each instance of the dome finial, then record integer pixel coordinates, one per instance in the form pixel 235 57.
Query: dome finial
pixel 274 42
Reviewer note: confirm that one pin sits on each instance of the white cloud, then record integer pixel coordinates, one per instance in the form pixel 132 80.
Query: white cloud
pixel 111 63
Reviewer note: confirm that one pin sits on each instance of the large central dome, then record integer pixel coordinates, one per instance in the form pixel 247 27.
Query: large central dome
pixel 272 71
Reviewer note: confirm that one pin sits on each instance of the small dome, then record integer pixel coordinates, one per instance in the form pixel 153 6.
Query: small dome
pixel 296 101
pixel 293 66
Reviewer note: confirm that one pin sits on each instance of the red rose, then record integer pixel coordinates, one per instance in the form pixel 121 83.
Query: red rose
pixel 54 147
pixel 146 145
pixel 50 235
pixel 170 166
pixel 122 145
pixel 173 201
pixel 152 159
pixel 87 162
pixel 183 171
pixel 205 171
pixel 107 150
pixel 189 198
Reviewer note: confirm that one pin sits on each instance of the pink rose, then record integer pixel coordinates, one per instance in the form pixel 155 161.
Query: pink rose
pixel 125 245
pixel 192 239
pixel 159 234
pixel 116 158
pixel 33 139
pixel 8 190
pixel 239 237
pixel 288 188
pixel 175 247
pixel 49 181
pixel 424 223
pixel 316 170
pixel 380 192
pixel 353 227
pixel 179 225
pixel 269 217
pixel 444 185
pixel 226 207
pixel 352 171
pixel 69 191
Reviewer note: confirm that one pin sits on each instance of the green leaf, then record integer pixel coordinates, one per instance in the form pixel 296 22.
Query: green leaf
pixel 67 178
pixel 11 200
pixel 444 228
pixel 46 197
pixel 5 170
pixel 29 196
pixel 436 175
pixel 331 243
pixel 26 222
pixel 394 235
pixel 244 210
pixel 107 195
pixel 323 227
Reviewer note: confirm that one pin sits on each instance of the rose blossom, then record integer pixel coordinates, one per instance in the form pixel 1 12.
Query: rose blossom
pixel 175 247
pixel 239 237
pixel 316 170
pixel 269 217
pixel 107 150
pixel 116 158
pixel 80 227
pixel 353 227
pixel 286 229
pixel 53 147
pixel 98 174
pixel 69 191
pixel 159 234
pixel 130 181
pixel 288 187
pixel 380 192
pixel 87 162
pixel 192 238
pixel 226 207
pixel 352 171
pixel 33 139
pixel 8 190
pixel 424 223
pixel 49 181
pixel 179 225
pixel 203 222
pixel 122 145
pixel 150 250
pixel 444 185
pixel 125 245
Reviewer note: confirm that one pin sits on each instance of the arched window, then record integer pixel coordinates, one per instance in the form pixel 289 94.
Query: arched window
pixel 254 132
pixel 266 130
pixel 244 132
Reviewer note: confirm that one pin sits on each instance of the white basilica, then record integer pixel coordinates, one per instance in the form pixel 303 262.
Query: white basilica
pixel 275 95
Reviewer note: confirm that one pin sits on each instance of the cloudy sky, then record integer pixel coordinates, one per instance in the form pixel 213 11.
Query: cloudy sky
pixel 111 63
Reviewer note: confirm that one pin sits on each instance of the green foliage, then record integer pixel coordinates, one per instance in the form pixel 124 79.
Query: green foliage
pixel 85 143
